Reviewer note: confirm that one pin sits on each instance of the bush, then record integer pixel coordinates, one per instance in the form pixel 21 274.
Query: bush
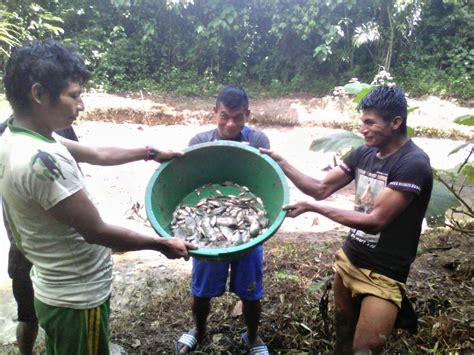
pixel 421 79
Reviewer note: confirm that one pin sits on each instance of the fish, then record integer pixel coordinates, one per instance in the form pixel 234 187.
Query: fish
pixel 219 220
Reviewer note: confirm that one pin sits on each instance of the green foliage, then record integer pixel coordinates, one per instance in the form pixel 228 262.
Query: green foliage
pixel 454 182
pixel 459 147
pixel 188 83
pixel 441 61
pixel 467 120
pixel 360 90
pixel 43 23
pixel 363 93
pixel 422 79
pixel 281 46
pixel 25 21
pixel 285 275
pixel 9 32
pixel 320 284
pixel 441 201
pixel 337 142
pixel 468 172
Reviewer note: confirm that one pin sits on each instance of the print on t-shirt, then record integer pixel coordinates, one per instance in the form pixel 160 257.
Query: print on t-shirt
pixel 368 187
pixel 45 166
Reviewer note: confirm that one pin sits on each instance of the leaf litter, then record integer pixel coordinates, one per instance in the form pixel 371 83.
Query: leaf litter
pixel 298 312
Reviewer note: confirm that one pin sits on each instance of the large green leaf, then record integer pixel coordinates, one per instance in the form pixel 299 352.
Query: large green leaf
pixel 318 286
pixel 459 147
pixel 355 88
pixel 9 32
pixel 441 201
pixel 411 109
pixel 361 94
pixel 467 120
pixel 468 172
pixel 336 142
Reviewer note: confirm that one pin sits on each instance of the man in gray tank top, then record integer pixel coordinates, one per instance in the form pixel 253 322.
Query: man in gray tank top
pixel 246 273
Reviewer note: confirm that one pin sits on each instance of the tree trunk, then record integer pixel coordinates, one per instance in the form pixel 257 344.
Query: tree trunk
pixel 388 56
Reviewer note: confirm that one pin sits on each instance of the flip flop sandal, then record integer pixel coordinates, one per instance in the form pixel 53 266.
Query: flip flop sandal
pixel 260 349
pixel 187 339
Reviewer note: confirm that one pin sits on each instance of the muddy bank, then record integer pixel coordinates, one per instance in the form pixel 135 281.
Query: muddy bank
pixel 432 117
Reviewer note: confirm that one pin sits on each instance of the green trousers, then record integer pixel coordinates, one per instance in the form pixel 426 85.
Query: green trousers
pixel 75 331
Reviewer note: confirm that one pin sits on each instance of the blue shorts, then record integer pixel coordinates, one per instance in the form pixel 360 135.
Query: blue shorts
pixel 246 279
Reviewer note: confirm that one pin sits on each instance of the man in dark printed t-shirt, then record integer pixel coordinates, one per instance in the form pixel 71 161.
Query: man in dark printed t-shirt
pixel 393 180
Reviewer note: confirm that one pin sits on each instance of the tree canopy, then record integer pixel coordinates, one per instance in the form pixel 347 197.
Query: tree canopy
pixel 281 45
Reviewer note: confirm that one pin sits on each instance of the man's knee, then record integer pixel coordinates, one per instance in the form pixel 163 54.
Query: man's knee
pixel 344 328
pixel 367 344
pixel 340 318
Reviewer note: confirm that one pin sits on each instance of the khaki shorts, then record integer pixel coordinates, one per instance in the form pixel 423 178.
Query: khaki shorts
pixel 366 282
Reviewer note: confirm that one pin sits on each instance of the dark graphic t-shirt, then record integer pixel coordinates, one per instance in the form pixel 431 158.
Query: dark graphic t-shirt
pixel 391 251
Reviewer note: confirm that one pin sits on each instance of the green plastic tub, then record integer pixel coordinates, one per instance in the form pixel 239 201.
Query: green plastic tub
pixel 213 163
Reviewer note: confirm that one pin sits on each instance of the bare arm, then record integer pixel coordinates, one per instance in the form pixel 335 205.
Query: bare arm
pixel 318 189
pixel 79 212
pixel 113 155
pixel 388 205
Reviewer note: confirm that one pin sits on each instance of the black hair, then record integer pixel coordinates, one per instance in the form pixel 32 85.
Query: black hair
pixel 387 102
pixel 49 63
pixel 233 97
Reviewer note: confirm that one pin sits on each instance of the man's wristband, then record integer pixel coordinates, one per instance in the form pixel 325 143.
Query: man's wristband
pixel 150 153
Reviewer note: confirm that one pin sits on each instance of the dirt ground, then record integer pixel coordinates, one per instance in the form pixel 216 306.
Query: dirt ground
pixel 150 299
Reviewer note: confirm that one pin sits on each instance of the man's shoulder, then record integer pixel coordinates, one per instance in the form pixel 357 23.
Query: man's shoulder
pixel 202 137
pixel 412 148
pixel 363 151
pixel 24 148
pixel 68 133
pixel 256 132
pixel 257 139
pixel 18 154
pixel 412 154
pixel 410 167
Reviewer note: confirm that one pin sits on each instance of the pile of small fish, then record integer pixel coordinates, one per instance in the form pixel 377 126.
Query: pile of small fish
pixel 221 221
